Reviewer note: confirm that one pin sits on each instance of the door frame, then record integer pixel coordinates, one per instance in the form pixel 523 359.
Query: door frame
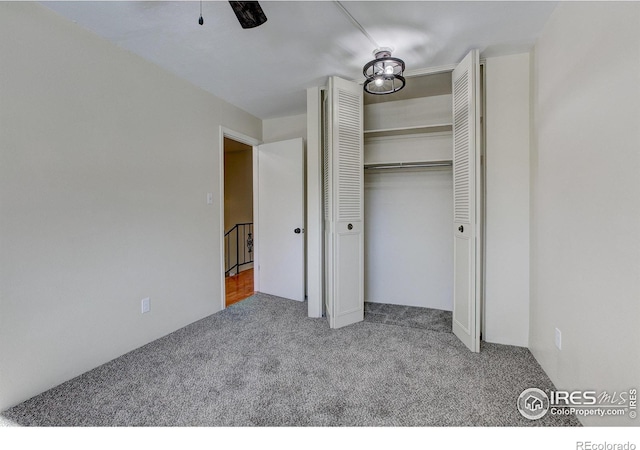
pixel 315 217
pixel 248 140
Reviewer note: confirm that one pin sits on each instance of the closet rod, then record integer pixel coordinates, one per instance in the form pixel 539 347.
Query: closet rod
pixel 408 165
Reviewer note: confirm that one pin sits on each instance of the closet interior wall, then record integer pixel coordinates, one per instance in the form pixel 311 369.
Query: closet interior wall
pixel 409 210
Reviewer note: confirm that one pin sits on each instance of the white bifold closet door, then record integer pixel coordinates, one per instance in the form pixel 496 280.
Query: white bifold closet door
pixel 466 198
pixel 343 203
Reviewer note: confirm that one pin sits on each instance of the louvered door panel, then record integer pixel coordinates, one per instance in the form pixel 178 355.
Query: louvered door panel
pixel 326 160
pixel 327 256
pixel 344 249
pixel 461 175
pixel 350 160
pixel 466 198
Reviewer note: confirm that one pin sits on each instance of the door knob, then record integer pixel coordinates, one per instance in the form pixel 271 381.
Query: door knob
pixel 460 228
pixel 297 231
pixel 350 227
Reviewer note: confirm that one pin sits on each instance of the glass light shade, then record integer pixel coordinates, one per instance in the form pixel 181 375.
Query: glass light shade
pixel 383 74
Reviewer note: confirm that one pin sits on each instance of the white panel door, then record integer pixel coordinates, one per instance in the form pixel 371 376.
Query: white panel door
pixel 343 184
pixel 280 219
pixel 466 198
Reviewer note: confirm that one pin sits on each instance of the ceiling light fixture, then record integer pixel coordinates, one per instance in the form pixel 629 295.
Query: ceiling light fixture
pixel 384 73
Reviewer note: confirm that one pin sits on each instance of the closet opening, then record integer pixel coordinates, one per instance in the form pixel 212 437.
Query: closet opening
pixel 408 205
pixel 403 226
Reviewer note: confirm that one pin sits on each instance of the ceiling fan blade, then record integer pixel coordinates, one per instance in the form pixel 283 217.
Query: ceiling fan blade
pixel 249 14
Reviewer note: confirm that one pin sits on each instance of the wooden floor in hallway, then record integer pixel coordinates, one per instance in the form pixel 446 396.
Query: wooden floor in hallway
pixel 239 287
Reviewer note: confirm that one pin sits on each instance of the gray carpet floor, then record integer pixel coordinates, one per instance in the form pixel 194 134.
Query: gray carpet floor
pixel 263 362
pixel 408 316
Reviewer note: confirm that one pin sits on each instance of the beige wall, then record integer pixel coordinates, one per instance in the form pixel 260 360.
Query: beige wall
pixel 284 128
pixel 105 165
pixel 506 311
pixel 585 205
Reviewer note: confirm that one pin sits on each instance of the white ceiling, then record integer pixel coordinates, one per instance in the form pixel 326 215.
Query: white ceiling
pixel 266 70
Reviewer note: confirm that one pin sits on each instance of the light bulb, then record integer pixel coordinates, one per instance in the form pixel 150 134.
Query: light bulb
pixel 379 81
pixel 388 70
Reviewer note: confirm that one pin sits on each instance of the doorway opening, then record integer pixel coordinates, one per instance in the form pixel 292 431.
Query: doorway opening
pixel 238 221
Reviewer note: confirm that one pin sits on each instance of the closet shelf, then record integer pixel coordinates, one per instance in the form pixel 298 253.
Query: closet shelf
pixel 408 165
pixel 400 131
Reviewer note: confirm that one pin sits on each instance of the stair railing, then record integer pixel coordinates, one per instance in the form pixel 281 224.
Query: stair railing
pixel 238 243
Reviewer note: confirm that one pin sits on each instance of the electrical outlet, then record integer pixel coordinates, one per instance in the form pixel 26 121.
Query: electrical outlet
pixel 558 339
pixel 209 198
pixel 146 305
